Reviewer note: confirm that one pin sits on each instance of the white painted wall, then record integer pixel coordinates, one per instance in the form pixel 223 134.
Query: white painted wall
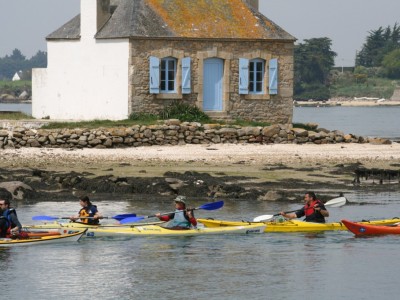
pixel 85 79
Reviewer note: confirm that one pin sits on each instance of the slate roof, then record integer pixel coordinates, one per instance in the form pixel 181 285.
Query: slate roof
pixel 202 19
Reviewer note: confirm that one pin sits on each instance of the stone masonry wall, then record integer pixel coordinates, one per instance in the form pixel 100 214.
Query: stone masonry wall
pixel 171 132
pixel 275 109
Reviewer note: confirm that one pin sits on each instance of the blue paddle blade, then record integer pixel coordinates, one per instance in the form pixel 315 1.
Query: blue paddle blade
pixel 44 218
pixel 131 220
pixel 123 216
pixel 212 205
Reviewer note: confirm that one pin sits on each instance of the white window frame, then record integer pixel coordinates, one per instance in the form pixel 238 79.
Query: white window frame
pixel 165 75
pixel 253 72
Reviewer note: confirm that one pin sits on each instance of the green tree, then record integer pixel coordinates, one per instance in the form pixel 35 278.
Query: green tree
pixel 314 60
pixel 391 64
pixel 378 43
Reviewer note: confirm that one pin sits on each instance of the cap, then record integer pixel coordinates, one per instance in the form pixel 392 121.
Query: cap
pixel 180 199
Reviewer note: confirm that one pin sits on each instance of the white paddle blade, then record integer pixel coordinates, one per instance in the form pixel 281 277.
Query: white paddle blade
pixel 263 218
pixel 337 202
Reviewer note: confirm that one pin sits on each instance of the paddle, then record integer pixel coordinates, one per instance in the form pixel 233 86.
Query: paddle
pixel 207 206
pixel 50 218
pixel 337 202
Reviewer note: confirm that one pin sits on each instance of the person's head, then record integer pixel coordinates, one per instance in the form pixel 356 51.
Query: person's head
pixel 4 204
pixel 84 201
pixel 180 202
pixel 309 197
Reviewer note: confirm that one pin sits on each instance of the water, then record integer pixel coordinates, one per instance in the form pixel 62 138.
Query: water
pixel 379 121
pixel 330 265
pixel 22 107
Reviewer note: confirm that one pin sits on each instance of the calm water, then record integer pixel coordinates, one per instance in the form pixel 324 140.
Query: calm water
pixel 381 121
pixel 331 265
pixel 22 107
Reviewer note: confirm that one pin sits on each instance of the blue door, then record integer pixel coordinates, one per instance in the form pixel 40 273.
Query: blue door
pixel 212 86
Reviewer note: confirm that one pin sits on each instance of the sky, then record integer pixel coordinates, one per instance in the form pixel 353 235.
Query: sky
pixel 24 24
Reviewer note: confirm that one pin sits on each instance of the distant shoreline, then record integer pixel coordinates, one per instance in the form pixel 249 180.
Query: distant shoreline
pixel 347 102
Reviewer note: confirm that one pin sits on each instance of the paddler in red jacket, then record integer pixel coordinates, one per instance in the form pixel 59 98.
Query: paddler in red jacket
pixel 314 210
pixel 182 218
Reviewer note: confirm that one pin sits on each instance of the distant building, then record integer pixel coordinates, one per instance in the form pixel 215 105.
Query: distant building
pixel 123 56
pixel 16 76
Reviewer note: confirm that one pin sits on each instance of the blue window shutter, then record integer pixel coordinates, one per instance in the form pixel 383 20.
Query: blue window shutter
pixel 243 76
pixel 273 76
pixel 186 82
pixel 154 75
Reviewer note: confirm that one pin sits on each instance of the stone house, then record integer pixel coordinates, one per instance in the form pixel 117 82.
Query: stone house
pixel 137 56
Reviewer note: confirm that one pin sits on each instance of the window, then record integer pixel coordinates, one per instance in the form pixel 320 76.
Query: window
pixel 252 77
pixel 256 76
pixel 168 75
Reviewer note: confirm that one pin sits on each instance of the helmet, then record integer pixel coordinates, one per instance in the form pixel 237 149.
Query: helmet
pixel 180 199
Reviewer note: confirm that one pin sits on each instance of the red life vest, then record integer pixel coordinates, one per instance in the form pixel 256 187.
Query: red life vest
pixel 309 208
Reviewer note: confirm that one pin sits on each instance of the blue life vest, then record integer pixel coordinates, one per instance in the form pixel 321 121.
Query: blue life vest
pixel 7 215
pixel 179 220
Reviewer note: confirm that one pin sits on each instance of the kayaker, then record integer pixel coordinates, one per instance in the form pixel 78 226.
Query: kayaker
pixel 9 223
pixel 182 218
pixel 314 210
pixel 88 213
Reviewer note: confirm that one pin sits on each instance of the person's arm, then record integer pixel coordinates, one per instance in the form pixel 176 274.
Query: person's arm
pixel 191 217
pixel 164 218
pixel 15 221
pixel 289 215
pixel 321 208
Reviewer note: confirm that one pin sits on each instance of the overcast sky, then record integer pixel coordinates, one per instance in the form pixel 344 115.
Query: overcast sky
pixel 25 23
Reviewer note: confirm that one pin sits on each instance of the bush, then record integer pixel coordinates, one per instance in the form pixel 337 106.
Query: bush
pixel 184 112
pixel 315 92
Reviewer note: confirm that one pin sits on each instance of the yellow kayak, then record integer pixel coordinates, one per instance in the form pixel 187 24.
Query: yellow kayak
pixel 293 225
pixel 155 230
pixel 77 225
pixel 63 237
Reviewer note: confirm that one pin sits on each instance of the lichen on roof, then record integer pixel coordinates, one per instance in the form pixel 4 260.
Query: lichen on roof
pixel 215 19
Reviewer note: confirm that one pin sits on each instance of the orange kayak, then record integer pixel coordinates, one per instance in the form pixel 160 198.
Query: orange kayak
pixel 367 229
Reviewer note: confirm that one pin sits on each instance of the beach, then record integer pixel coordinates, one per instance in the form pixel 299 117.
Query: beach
pixel 236 158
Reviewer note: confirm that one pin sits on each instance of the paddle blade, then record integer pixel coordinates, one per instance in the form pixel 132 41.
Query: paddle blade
pixel 44 218
pixel 123 216
pixel 212 205
pixel 131 220
pixel 263 218
pixel 337 202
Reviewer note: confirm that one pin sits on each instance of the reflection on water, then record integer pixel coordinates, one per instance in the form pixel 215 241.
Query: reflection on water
pixel 265 266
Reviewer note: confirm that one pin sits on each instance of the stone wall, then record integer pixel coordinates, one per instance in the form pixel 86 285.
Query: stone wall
pixel 274 109
pixel 171 132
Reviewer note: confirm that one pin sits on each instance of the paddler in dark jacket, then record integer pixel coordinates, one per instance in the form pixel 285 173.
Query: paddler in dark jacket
pixel 182 218
pixel 314 210
pixel 88 213
pixel 9 223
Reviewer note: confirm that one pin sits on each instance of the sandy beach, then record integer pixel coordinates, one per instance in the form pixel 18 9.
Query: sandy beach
pixel 210 157
pixel 250 171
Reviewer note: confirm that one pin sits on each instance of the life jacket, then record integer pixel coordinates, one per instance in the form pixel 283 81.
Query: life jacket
pixel 9 224
pixel 89 211
pixel 180 220
pixel 309 208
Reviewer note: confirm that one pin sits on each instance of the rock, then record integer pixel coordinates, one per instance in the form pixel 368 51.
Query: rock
pixel 17 189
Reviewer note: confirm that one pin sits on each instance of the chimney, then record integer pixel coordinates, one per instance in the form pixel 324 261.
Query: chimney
pixel 254 4
pixel 94 14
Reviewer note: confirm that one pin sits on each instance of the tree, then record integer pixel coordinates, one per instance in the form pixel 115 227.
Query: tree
pixel 379 43
pixel 391 64
pixel 313 61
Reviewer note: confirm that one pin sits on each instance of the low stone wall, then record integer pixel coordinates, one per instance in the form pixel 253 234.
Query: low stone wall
pixel 171 132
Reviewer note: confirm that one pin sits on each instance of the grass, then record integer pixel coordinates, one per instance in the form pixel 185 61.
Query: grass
pixel 15 116
pixel 15 87
pixel 372 87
